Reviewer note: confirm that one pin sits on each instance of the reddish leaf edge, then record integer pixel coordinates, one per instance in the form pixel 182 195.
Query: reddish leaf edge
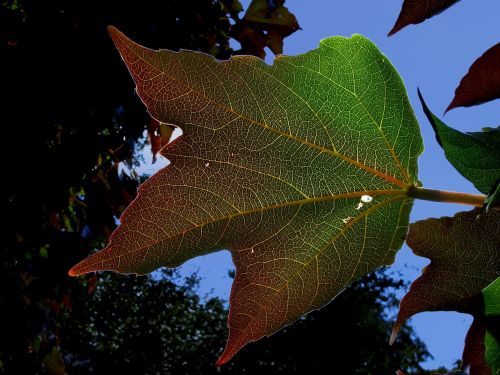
pixel 74 271
pixel 77 269
pixel 457 100
pixel 400 25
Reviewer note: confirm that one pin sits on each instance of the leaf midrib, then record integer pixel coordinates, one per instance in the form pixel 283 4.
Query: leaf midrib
pixel 337 235
pixel 264 125
pixel 355 95
pixel 395 192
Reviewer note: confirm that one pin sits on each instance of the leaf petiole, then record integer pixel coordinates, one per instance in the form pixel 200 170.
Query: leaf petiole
pixel 446 196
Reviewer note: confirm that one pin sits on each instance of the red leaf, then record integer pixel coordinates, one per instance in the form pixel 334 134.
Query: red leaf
pixel 159 135
pixel 460 248
pixel 473 355
pixel 417 11
pixel 482 82
pixel 66 301
pixel 91 284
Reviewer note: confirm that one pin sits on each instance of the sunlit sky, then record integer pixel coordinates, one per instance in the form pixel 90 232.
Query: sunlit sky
pixel 433 56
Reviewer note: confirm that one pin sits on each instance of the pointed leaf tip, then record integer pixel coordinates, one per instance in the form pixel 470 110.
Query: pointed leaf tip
pixel 220 362
pixel 72 272
pixel 394 333
pixel 481 84
pixel 415 12
pixel 115 34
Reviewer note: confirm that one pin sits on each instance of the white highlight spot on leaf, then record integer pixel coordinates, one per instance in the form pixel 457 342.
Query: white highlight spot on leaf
pixel 347 219
pixel 358 207
pixel 366 198
pixel 207 164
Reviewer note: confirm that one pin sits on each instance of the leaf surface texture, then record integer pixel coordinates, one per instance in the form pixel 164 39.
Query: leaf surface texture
pixel 299 168
pixel 475 155
pixel 465 258
pixel 417 11
pixel 482 81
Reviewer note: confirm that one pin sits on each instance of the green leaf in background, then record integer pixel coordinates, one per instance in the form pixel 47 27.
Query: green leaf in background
pixel 491 297
pixel 492 354
pixel 493 197
pixel 475 155
pixel 300 168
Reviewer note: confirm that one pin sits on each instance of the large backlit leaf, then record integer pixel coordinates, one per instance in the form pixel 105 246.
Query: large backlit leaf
pixel 417 11
pixel 300 169
pixel 465 258
pixel 475 155
pixel 482 81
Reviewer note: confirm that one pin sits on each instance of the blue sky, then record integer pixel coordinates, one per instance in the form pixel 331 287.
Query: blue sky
pixel 433 56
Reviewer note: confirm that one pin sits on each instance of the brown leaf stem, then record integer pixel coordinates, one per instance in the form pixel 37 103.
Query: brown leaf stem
pixel 476 200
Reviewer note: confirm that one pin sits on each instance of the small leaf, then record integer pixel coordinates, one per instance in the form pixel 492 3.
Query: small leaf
pixel 232 7
pixel 493 197
pixel 475 155
pixel 44 251
pixel 417 11
pixel 264 26
pixel 300 169
pixel 465 258
pixel 482 82
pixel 159 135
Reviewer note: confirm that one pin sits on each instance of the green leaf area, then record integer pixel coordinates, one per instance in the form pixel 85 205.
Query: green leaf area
pixel 491 297
pixel 300 168
pixel 475 155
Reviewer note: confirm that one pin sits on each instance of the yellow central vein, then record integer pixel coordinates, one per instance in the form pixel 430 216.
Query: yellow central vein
pixel 256 67
pixel 97 258
pixel 373 171
pixel 379 127
pixel 327 245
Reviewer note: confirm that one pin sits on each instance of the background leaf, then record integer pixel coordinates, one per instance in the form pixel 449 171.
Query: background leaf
pixel 465 258
pixel 417 11
pixel 491 297
pixel 473 357
pixel 493 197
pixel 264 26
pixel 464 255
pixel 299 168
pixel 492 352
pixel 475 155
pixel 482 81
